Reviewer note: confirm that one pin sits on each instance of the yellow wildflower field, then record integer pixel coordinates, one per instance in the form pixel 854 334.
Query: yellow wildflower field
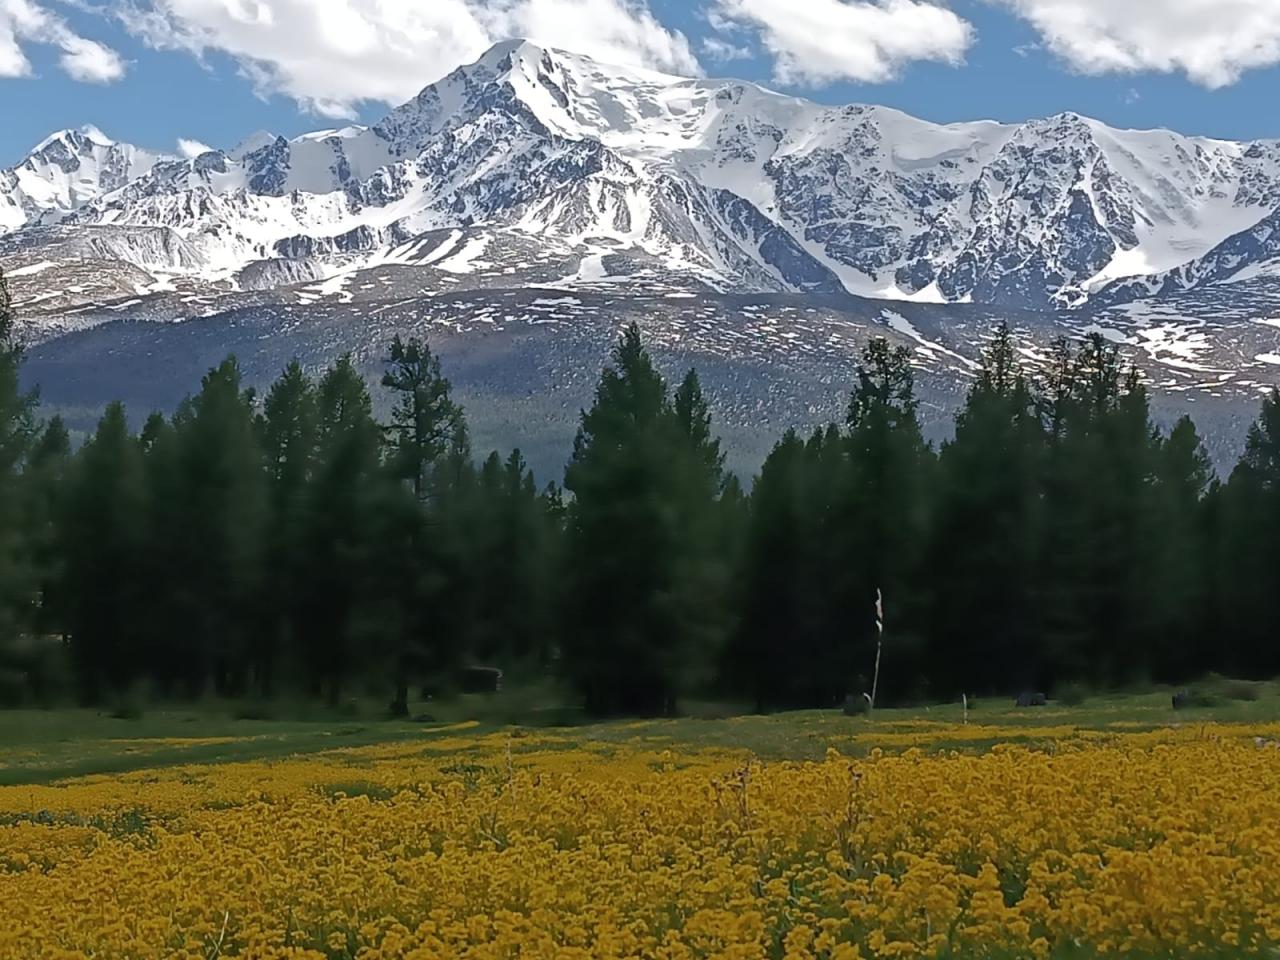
pixel 510 845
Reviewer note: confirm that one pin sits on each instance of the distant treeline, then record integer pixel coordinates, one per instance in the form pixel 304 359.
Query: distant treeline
pixel 254 545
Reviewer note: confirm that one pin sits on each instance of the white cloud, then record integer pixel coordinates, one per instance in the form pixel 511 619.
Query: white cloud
pixel 722 51
pixel 25 21
pixel 89 61
pixel 13 62
pixel 816 42
pixel 1212 41
pixel 331 55
pixel 192 148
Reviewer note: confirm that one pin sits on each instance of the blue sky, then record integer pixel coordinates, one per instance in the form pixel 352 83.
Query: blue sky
pixel 153 71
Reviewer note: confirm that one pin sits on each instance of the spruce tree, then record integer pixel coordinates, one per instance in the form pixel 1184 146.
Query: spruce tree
pixel 43 490
pixel 626 646
pixel 426 425
pixel 287 429
pixel 984 635
pixel 1098 475
pixel 224 496
pixel 339 545
pixel 1248 581
pixel 883 511
pixel 513 537
pixel 101 542
pixel 704 558
pixel 780 655
pixel 17 412
pixel 1176 601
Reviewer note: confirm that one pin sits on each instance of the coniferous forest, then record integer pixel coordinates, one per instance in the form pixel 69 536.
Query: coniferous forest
pixel 253 545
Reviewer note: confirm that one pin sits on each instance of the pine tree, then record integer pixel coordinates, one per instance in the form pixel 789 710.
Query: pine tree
pixel 514 541
pixel 1248 581
pixel 224 494
pixel 101 544
pixel 1097 480
pixel 626 647
pixel 426 425
pixel 703 558
pixel 777 657
pixel 287 429
pixel 43 483
pixel 17 413
pixel 339 546
pixel 984 634
pixel 1175 605
pixel 884 514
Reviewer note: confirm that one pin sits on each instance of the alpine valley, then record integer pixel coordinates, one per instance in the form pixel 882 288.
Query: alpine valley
pixel 521 209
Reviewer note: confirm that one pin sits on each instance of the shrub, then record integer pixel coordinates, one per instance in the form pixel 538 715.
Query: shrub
pixel 126 709
pixel 1072 695
pixel 1240 690
pixel 1196 698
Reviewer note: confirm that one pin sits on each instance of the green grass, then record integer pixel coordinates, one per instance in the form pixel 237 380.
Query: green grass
pixel 40 746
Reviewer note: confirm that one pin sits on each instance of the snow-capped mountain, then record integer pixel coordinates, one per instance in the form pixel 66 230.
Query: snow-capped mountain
pixel 65 171
pixel 520 207
pixel 541 157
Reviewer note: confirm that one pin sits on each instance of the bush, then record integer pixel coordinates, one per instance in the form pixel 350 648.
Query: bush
pixel 1241 690
pixel 1072 695
pixel 1196 699
pixel 255 710
pixel 856 705
pixel 13 688
pixel 126 709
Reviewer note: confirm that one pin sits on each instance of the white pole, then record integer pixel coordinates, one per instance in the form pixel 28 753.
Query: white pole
pixel 875 680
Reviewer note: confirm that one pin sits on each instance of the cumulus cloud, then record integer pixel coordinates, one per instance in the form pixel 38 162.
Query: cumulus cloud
pixel 25 21
pixel 331 55
pixel 1213 42
pixel 816 42
pixel 192 148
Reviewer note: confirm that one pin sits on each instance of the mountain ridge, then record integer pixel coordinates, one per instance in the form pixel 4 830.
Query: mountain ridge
pixel 522 206
pixel 716 183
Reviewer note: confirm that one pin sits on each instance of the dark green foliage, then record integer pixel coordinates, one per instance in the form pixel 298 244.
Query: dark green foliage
pixel 17 417
pixel 291 544
pixel 983 550
pixel 426 425
pixel 102 545
pixel 643 578
pixel 1247 512
pixel 339 545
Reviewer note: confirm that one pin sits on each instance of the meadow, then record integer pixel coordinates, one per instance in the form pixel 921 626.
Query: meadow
pixel 1113 828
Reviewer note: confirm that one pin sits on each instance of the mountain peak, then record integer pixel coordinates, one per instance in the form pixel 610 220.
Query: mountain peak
pixel 73 137
pixel 255 141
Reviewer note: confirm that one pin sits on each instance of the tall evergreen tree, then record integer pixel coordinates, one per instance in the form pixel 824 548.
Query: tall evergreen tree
pixel 782 653
pixel 100 540
pixel 287 429
pixel 17 425
pixel 1175 605
pixel 224 496
pixel 626 647
pixel 1099 469
pixel 426 425
pixel 513 534
pixel 339 546
pixel 1248 581
pixel 703 558
pixel 43 490
pixel 984 634
pixel 884 513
